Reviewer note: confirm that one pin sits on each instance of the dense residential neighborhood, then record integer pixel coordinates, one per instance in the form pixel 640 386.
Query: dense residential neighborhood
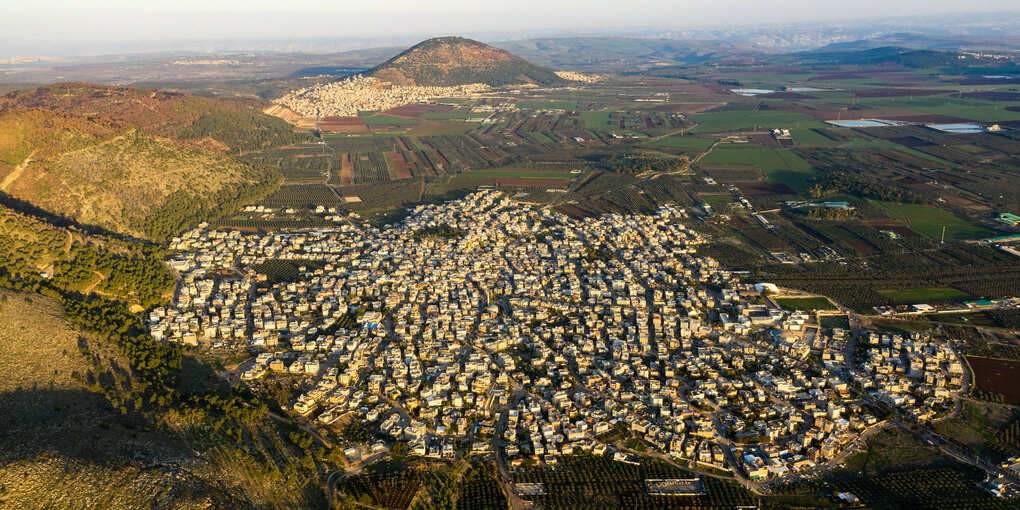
pixel 349 97
pixel 487 326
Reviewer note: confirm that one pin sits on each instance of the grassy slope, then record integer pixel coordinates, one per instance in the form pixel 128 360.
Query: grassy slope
pixel 63 446
pixel 103 173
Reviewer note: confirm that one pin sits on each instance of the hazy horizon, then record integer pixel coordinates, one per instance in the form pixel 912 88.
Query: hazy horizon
pixel 57 28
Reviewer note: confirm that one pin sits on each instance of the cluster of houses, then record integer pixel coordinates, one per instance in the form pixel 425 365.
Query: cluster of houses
pixel 517 331
pixel 349 97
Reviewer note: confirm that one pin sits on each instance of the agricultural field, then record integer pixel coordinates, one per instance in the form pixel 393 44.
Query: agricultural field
pixel 925 295
pixel 807 303
pixel 933 489
pixel 930 221
pixel 683 142
pixel 302 196
pixel 997 376
pixel 779 166
pixel 599 481
pixel 751 120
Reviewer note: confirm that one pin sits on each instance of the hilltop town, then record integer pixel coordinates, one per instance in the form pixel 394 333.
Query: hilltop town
pixel 531 335
pixel 348 97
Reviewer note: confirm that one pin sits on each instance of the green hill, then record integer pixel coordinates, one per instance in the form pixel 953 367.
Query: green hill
pixel 449 61
pixel 215 124
pixel 118 177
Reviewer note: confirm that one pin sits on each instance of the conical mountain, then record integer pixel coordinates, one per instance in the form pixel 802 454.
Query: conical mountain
pixel 450 61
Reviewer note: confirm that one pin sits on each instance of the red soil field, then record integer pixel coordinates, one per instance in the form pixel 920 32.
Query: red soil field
pixel 766 139
pixel 400 166
pixel 342 125
pixel 998 376
pixel 492 157
pixel 753 188
pixel 864 247
pixel 738 222
pixel 346 170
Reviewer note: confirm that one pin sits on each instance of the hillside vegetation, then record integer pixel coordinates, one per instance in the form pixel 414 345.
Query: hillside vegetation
pixel 450 61
pixel 214 124
pixel 76 261
pixel 62 444
pixel 117 177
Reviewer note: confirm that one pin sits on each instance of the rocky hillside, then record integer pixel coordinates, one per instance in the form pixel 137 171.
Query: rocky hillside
pixel 449 61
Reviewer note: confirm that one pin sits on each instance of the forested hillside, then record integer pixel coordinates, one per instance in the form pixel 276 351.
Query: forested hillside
pixel 116 176
pixel 216 124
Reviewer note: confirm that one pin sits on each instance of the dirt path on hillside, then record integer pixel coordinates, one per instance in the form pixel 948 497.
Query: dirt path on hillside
pixel 13 176
pixel 94 285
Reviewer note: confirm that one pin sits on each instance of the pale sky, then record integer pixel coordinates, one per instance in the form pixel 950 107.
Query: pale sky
pixel 56 28
pixel 91 20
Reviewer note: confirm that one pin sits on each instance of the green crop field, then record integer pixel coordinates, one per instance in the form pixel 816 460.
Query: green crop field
pixel 454 115
pixel 929 221
pixel 386 119
pixel 804 137
pixel 973 109
pixel 922 295
pixel 548 105
pixel 541 137
pixel 717 199
pixel 683 142
pixel 598 119
pixel 778 165
pixel 721 122
pixel 834 321
pixel 808 303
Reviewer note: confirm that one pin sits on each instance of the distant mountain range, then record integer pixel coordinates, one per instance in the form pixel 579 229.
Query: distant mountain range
pixel 897 55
